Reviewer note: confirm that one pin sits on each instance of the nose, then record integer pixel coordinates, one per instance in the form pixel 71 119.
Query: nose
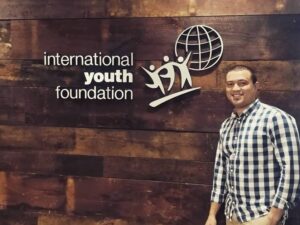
pixel 236 87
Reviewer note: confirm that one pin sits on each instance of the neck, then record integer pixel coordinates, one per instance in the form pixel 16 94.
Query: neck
pixel 239 111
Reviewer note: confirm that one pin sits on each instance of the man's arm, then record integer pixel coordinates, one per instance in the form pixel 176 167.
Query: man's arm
pixel 275 215
pixel 219 185
pixel 219 190
pixel 214 208
pixel 285 139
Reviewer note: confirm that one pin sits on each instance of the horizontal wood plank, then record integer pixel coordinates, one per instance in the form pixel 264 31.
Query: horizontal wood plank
pixel 12 217
pixel 143 201
pixel 107 142
pixel 158 8
pixel 272 75
pixel 30 9
pixel 120 202
pixel 169 170
pixel 245 37
pixel 59 219
pixel 42 139
pixel 212 106
pixel 164 203
pixel 41 163
pixel 35 191
pixel 159 170
pixel 76 220
pixel 39 106
pixel 147 144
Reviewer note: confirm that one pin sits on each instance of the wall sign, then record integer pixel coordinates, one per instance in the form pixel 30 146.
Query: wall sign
pixel 197 48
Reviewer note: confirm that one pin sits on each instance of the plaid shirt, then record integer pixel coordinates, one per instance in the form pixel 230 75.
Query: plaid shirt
pixel 257 162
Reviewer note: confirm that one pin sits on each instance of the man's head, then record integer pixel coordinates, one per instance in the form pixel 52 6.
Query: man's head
pixel 241 87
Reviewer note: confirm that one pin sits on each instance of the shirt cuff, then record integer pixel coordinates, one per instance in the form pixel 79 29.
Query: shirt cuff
pixel 217 197
pixel 280 203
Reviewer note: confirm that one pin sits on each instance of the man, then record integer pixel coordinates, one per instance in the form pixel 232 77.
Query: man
pixel 257 161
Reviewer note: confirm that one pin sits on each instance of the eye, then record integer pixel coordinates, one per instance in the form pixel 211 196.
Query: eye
pixel 242 83
pixel 229 84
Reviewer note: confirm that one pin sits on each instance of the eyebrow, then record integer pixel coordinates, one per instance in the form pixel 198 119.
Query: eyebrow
pixel 236 80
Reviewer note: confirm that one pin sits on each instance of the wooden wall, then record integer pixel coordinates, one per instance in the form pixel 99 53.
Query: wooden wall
pixel 87 162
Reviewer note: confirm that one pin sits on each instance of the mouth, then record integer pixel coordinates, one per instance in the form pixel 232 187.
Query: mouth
pixel 237 96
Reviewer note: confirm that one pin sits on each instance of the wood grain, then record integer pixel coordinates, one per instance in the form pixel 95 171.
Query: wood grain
pixel 81 220
pixel 45 163
pixel 18 217
pixel 245 38
pixel 107 142
pixel 35 191
pixel 122 163
pixel 30 9
pixel 159 170
pixel 3 188
pixel 169 170
pixel 158 8
pixel 39 106
pixel 143 201
pixel 164 203
pixel 212 106
pixel 5 45
pixel 41 139
pixel 273 75
pixel 147 144
pixel 113 201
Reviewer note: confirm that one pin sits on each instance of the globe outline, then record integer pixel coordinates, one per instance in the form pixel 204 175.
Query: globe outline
pixel 211 58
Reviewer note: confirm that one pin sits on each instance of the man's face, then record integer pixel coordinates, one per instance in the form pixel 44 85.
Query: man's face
pixel 240 90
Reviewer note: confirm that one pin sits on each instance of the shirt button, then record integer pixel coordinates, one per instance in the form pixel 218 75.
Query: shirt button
pixel 235 137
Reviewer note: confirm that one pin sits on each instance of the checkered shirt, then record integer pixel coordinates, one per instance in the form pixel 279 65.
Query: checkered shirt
pixel 257 163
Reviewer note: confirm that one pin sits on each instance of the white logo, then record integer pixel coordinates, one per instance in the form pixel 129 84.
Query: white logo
pixel 197 48
pixel 204 42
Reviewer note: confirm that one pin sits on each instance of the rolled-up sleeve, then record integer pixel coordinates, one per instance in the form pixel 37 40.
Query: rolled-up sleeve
pixel 285 139
pixel 219 180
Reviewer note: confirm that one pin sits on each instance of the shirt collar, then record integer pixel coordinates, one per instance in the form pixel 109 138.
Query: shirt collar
pixel 247 111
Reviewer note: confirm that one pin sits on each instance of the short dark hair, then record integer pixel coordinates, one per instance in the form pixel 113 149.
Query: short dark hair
pixel 243 67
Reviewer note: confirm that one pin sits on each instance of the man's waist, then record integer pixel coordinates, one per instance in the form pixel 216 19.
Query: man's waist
pixel 246 210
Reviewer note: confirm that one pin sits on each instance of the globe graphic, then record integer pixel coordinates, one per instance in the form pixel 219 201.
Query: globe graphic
pixel 205 45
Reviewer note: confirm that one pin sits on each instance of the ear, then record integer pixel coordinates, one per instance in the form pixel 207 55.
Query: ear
pixel 257 85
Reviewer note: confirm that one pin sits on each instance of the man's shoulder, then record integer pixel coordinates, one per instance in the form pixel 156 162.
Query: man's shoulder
pixel 270 108
pixel 274 111
pixel 226 121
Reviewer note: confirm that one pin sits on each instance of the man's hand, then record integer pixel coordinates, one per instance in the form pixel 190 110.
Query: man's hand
pixel 211 220
pixel 214 208
pixel 274 216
